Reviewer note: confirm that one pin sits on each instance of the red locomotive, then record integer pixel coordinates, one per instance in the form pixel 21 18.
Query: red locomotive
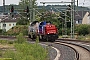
pixel 45 30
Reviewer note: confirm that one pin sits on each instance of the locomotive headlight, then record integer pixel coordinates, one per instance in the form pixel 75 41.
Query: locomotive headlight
pixel 48 33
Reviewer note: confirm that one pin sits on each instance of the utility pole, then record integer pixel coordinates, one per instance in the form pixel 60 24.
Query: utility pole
pixel 77 3
pixel 65 23
pixel 4 25
pixel 43 11
pixel 33 14
pixel 31 9
pixel 3 6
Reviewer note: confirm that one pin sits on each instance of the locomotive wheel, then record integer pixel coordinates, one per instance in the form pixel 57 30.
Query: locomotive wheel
pixel 40 37
pixel 52 40
pixel 33 37
pixel 29 36
pixel 47 39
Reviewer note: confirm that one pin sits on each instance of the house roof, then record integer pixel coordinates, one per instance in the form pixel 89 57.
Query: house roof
pixel 80 14
pixel 9 20
pixel 3 16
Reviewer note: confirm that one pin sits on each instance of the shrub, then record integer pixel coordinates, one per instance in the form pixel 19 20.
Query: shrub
pixel 1 31
pixel 20 38
pixel 22 21
pixel 18 29
pixel 10 42
pixel 83 29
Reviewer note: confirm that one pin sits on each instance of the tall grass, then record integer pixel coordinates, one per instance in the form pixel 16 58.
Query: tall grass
pixel 25 51
pixel 84 38
pixel 20 38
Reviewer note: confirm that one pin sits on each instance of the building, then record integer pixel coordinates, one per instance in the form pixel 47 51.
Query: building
pixel 86 18
pixel 82 17
pixel 7 24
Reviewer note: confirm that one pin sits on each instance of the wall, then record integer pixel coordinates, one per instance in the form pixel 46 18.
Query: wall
pixel 9 25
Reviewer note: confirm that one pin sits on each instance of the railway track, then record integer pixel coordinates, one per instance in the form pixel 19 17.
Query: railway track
pixel 67 46
pixel 81 52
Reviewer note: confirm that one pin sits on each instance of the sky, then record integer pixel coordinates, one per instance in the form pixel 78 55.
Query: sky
pixel 81 2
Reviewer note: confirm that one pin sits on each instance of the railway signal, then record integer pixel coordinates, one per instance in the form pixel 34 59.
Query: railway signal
pixel 3 6
pixel 69 7
pixel 27 11
pixel 12 9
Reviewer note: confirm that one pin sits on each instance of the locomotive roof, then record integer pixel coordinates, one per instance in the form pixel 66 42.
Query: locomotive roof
pixel 33 23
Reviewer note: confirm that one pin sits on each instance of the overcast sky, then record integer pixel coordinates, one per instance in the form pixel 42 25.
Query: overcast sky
pixel 81 2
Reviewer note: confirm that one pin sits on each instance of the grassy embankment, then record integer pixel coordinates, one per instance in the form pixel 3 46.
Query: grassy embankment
pixel 21 50
pixel 79 37
pixel 84 38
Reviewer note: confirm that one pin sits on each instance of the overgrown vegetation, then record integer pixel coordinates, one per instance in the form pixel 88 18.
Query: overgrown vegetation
pixel 83 29
pixel 22 50
pixel 26 52
pixel 18 29
pixel 0 30
pixel 20 39
pixel 23 21
pixel 84 38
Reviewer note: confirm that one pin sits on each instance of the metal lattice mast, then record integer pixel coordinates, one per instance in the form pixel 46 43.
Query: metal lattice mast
pixel 32 11
pixel 72 18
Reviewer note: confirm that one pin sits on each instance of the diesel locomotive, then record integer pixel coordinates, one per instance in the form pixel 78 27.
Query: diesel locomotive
pixel 45 30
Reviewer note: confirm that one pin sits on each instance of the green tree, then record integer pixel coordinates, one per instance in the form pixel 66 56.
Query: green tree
pixel 65 25
pixel 23 21
pixel 24 3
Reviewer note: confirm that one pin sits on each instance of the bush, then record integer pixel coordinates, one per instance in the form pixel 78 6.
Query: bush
pixel 1 31
pixel 83 29
pixel 23 21
pixel 18 29
pixel 20 38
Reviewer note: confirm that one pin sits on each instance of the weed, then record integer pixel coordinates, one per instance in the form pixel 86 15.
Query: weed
pixel 20 38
